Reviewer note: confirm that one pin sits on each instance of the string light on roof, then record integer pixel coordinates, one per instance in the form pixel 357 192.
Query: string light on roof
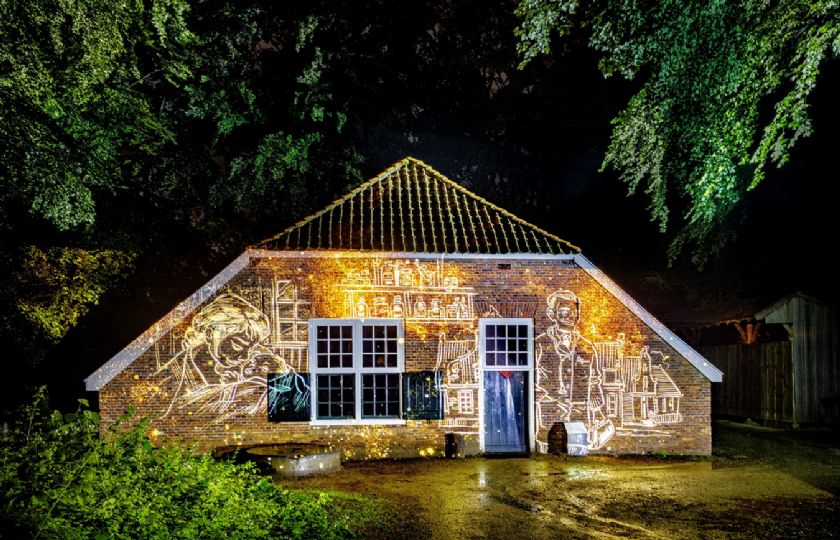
pixel 381 218
pixel 429 207
pixel 437 196
pixel 413 176
pixel 440 214
pixel 516 238
pixel 400 210
pixel 391 209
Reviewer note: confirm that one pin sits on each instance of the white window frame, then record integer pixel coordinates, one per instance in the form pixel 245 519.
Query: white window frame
pixel 483 323
pixel 358 370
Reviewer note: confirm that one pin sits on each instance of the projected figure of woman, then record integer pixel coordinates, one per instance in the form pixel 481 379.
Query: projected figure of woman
pixel 223 362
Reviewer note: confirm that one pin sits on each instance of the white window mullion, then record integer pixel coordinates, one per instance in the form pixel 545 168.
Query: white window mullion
pixel 357 369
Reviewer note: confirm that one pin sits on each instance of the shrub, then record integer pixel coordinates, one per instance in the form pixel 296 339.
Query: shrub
pixel 61 479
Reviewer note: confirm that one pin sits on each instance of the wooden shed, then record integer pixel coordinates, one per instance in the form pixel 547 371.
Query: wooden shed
pixel 784 367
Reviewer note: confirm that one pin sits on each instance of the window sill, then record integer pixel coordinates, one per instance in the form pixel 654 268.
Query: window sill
pixel 362 422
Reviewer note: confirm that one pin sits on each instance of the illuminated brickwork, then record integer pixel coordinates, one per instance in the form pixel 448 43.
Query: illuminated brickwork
pixel 203 381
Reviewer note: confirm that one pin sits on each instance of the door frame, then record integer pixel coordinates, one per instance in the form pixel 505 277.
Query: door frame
pixel 531 429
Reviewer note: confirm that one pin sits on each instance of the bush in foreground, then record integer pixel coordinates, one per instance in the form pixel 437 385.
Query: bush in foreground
pixel 60 479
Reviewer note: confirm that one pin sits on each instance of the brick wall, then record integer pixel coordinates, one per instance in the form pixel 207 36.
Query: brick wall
pixel 667 413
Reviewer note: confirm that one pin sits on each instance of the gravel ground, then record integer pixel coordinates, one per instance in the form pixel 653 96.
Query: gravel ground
pixel 760 483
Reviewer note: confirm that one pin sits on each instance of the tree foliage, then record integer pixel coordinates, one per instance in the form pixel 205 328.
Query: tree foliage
pixel 59 285
pixel 724 94
pixel 76 115
pixel 166 97
pixel 61 480
pixel 123 122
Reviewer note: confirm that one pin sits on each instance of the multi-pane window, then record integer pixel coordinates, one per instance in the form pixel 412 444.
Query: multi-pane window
pixel 334 346
pixel 336 396
pixel 356 366
pixel 379 346
pixel 381 395
pixel 506 344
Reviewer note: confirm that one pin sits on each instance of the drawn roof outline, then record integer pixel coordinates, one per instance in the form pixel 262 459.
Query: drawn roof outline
pixel 411 207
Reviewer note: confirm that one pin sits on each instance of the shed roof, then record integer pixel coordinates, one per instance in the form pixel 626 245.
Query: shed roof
pixel 410 207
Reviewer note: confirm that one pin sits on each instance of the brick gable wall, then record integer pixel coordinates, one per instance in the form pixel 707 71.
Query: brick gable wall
pixel 668 413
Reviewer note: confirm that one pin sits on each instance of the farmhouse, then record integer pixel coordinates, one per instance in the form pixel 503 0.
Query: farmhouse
pixel 405 314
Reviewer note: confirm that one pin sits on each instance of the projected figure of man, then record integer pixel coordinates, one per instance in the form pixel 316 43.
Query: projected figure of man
pixel 568 375
pixel 223 362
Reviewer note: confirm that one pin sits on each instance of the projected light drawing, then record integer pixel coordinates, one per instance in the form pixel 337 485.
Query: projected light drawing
pixel 223 361
pixel 596 383
pixel 457 361
pixel 411 290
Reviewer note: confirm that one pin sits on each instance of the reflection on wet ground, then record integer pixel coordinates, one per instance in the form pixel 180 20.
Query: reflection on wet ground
pixel 759 484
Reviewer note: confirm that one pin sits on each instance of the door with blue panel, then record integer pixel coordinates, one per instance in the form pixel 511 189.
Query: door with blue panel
pixel 506 350
pixel 505 412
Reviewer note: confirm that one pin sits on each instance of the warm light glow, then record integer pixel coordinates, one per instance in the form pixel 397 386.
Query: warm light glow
pixel 595 367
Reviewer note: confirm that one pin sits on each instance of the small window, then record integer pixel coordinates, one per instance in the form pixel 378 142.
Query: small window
pixel 357 368
pixel 506 344
pixel 465 401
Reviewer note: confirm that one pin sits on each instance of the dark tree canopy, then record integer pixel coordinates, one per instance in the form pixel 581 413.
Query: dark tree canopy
pixel 724 94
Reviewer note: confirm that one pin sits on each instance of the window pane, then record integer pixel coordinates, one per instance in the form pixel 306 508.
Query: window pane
pixel 379 346
pixel 334 332
pixel 506 344
pixel 347 332
pixel 336 396
pixel 381 397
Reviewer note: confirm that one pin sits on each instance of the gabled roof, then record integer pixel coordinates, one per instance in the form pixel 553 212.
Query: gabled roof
pixel 411 207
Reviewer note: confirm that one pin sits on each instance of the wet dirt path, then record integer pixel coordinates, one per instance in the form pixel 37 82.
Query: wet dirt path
pixel 754 487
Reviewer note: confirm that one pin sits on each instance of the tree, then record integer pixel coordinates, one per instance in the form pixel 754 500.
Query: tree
pixel 123 123
pixel 76 114
pixel 724 94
